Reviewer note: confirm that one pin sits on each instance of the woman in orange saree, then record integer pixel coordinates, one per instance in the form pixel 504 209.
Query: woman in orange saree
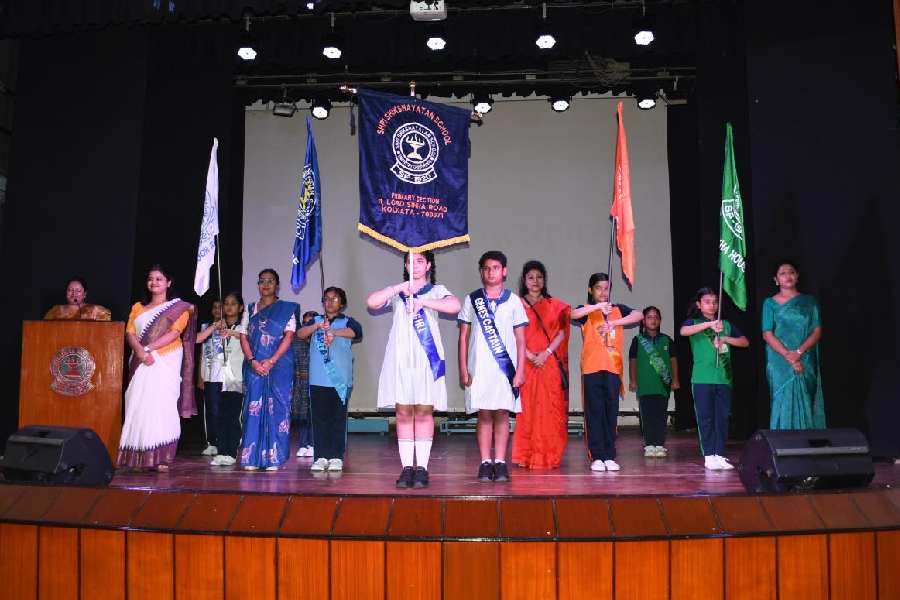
pixel 541 428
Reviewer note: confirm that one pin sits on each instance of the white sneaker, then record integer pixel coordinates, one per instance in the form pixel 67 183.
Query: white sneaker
pixel 335 464
pixel 650 451
pixel 272 468
pixel 724 464
pixel 712 463
pixel 305 451
pixel 210 451
pixel 611 465
pixel 225 460
pixel 321 464
pixel 598 465
pixel 661 451
pixel 217 460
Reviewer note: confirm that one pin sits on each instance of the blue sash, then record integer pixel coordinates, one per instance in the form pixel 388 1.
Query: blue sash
pixel 330 369
pixel 485 317
pixel 423 331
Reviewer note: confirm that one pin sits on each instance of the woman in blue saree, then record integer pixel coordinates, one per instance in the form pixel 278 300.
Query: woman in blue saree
pixel 268 377
pixel 791 327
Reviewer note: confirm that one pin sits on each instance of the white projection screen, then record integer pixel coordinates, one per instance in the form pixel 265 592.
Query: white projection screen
pixel 540 187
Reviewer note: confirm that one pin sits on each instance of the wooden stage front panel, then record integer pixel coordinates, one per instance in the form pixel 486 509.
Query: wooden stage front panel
pixel 111 543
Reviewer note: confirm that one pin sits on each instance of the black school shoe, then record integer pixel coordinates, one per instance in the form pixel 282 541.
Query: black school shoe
pixel 486 472
pixel 420 478
pixel 406 478
pixel 501 472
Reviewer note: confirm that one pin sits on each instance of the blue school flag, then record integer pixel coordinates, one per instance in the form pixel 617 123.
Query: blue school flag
pixel 413 171
pixel 308 237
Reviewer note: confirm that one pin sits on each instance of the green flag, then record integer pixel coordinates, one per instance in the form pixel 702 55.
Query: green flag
pixel 732 235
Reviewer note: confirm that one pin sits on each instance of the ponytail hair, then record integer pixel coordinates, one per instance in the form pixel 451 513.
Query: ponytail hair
pixel 693 311
pixel 429 257
pixel 650 308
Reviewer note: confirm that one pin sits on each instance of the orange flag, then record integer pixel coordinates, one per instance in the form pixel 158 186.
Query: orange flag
pixel 621 206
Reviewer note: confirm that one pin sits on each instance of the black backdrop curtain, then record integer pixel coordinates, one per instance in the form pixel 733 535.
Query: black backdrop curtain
pixel 813 98
pixel 113 130
pixel 113 133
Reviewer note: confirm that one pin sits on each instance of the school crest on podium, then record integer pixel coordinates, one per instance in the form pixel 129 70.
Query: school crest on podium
pixel 72 368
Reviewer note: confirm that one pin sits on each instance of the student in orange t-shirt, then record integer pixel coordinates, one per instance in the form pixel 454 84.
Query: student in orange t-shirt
pixel 602 327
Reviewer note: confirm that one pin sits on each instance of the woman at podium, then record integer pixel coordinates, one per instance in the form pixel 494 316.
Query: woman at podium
pixel 75 307
pixel 161 333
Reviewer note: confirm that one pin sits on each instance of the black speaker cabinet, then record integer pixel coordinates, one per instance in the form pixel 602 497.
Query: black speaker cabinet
pixel 56 455
pixel 804 459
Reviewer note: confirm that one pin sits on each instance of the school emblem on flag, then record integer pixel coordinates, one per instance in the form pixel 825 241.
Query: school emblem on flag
pixel 409 143
pixel 413 171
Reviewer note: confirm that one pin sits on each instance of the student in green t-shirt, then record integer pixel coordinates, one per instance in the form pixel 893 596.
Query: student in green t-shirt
pixel 653 373
pixel 711 377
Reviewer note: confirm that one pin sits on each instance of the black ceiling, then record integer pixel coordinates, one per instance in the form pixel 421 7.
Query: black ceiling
pixel 490 44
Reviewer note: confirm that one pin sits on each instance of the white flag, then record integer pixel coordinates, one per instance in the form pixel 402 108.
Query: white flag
pixel 209 228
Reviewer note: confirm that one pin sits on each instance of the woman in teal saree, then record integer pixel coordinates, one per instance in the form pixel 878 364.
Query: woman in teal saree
pixel 791 327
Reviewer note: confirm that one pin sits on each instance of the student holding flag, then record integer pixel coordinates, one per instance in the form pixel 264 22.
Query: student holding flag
pixel 602 326
pixel 710 336
pixel 412 376
pixel 711 378
pixel 603 323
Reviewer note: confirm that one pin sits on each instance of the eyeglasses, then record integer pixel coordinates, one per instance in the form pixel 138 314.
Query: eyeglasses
pixel 331 299
pixel 266 282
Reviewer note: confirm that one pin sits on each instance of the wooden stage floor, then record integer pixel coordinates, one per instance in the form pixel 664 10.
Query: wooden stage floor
pixel 372 465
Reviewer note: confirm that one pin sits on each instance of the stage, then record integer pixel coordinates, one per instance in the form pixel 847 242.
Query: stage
pixel 657 529
pixel 372 465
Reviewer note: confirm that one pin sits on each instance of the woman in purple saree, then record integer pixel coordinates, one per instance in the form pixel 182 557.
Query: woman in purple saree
pixel 160 332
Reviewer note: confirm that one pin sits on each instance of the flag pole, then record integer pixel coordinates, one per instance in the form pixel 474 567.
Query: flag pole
pixel 409 297
pixel 719 315
pixel 322 270
pixel 221 300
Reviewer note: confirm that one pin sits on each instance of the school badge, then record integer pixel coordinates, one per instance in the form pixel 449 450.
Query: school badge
pixel 416 151
pixel 733 213
pixel 72 368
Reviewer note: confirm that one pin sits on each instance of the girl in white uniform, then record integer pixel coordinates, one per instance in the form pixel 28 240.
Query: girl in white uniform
pixel 412 376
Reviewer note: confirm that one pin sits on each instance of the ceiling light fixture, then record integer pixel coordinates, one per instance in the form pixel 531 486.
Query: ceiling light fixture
pixel 285 108
pixel 643 29
pixel 320 108
pixel 246 50
pixel 435 38
pixel 560 103
pixel 545 40
pixel 482 103
pixel 331 48
pixel 646 98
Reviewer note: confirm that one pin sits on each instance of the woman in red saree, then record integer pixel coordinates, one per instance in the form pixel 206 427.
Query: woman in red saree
pixel 542 426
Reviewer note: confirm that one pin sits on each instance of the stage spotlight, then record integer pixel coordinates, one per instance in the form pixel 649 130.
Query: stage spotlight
pixel 331 47
pixel 284 109
pixel 435 38
pixel 544 39
pixel 310 6
pixel 482 103
pixel 646 99
pixel 560 103
pixel 643 28
pixel 320 108
pixel 246 48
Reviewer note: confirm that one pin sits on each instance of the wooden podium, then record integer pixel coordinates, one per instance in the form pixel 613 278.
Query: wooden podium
pixel 72 376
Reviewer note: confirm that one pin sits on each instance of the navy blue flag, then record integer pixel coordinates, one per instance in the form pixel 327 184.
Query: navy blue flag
pixel 413 171
pixel 308 238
